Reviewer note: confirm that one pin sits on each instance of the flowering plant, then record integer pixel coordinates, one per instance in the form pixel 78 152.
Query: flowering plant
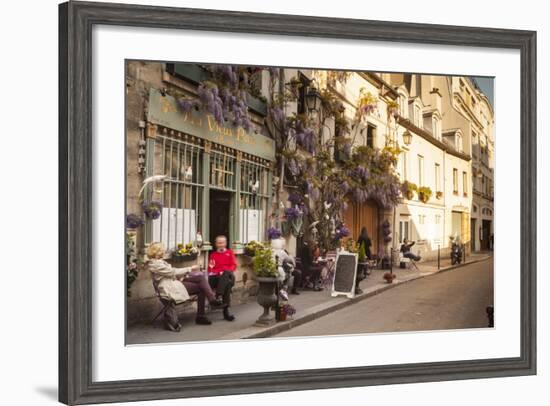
pixel 185 252
pixel 132 262
pixel 264 264
pixel 133 221
pixel 367 102
pixel 292 213
pixel 152 209
pixel 389 277
pixel 424 193
pixel 273 233
pixel 341 232
pixel 351 245
pixel 288 309
pixel 386 231
pixel 408 189
pixel 251 247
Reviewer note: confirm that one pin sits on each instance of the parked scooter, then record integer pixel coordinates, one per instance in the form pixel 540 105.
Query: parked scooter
pixel 456 252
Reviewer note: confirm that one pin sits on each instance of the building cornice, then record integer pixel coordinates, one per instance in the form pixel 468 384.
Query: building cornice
pixel 380 83
pixel 406 123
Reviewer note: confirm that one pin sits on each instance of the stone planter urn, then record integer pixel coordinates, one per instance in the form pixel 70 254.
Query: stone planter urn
pixel 267 298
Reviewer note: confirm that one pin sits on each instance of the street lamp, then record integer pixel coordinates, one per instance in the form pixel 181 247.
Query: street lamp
pixel 407 137
pixel 313 99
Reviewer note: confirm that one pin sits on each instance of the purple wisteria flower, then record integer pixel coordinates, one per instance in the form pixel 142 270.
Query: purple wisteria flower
pixel 368 108
pixel 362 172
pixel 186 105
pixel 273 233
pixel 294 198
pixel 386 231
pixel 292 213
pixel 341 232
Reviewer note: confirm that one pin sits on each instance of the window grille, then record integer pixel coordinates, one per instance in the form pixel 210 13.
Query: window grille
pixel 253 201
pixel 181 192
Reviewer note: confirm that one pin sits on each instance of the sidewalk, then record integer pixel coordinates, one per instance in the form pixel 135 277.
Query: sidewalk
pixel 309 305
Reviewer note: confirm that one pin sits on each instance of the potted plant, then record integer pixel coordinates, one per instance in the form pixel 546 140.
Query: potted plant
pixel 285 310
pixel 408 189
pixel 389 277
pixel 133 221
pixel 152 209
pixel 265 269
pixel 439 195
pixel 251 247
pixel 185 253
pixel 293 216
pixel 424 194
pixel 273 233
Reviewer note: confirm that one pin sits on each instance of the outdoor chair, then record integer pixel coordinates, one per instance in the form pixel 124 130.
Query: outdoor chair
pixel 409 263
pixel 192 298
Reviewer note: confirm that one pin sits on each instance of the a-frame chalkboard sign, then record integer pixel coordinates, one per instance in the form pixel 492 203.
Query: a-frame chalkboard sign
pixel 345 274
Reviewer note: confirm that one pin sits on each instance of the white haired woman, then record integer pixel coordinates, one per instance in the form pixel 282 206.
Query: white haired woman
pixel 174 285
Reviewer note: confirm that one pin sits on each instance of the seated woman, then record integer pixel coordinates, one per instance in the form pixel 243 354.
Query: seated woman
pixel 174 285
pixel 221 268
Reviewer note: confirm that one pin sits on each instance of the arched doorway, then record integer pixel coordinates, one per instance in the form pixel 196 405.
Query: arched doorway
pixel 362 215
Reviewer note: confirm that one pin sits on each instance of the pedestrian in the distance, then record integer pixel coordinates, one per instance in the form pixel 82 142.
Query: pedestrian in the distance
pixel 366 241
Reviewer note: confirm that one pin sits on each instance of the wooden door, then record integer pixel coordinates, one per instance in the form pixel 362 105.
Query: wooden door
pixel 358 216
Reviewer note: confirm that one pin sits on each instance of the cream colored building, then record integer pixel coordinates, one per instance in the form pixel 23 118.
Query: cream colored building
pixel 436 155
pixel 476 107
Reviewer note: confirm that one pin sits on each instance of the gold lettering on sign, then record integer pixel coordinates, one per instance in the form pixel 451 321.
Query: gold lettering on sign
pixel 193 120
pixel 167 107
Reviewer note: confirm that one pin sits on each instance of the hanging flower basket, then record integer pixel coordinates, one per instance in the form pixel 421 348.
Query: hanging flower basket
pixel 273 233
pixel 424 194
pixel 286 228
pixel 152 209
pixel 133 221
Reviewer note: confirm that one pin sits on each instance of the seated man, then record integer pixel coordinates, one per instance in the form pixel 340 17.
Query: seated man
pixel 174 285
pixel 406 250
pixel 311 269
pixel 221 268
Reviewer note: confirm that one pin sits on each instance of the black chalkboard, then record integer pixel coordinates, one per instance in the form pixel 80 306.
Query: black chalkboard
pixel 344 274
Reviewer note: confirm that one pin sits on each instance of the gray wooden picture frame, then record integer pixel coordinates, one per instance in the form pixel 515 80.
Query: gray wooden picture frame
pixel 76 20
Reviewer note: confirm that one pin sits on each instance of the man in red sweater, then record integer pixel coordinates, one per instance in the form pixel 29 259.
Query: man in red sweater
pixel 221 268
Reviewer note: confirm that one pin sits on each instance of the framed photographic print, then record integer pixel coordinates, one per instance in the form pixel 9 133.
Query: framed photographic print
pixel 260 202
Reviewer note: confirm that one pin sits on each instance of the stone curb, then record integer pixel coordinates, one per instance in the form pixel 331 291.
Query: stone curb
pixel 337 303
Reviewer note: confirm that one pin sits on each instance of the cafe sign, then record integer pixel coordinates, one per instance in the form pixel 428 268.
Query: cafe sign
pixel 164 111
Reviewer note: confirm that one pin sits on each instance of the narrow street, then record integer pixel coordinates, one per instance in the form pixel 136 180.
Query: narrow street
pixel 449 300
